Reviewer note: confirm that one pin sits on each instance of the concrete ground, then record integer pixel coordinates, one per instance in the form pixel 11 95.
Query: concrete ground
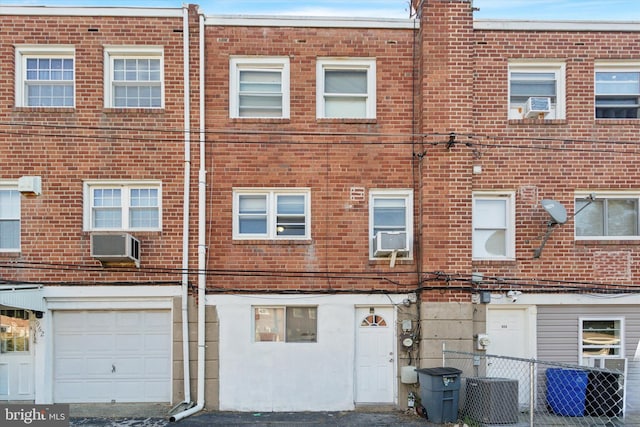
pixel 145 415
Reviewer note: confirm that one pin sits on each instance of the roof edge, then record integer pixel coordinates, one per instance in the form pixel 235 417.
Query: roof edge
pixel 91 11
pixel 310 21
pixel 531 25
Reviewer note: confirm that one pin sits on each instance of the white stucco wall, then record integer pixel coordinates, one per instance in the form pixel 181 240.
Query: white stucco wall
pixel 278 376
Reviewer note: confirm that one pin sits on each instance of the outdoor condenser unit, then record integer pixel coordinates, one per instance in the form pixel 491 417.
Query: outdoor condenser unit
pixel 491 400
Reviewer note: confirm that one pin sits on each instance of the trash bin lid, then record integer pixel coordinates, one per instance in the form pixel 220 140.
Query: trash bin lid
pixel 441 371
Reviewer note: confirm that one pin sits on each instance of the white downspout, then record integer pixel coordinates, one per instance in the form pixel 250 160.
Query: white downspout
pixel 186 214
pixel 202 282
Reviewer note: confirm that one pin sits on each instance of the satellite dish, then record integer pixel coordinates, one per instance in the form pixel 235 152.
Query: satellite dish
pixel 558 215
pixel 556 211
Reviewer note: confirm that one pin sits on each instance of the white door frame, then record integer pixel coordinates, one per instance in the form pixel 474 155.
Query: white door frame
pixel 16 361
pixel 392 347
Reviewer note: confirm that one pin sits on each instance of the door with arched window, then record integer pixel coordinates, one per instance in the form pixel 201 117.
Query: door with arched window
pixel 375 355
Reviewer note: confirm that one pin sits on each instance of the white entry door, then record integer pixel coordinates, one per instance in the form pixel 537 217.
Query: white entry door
pixel 16 355
pixel 512 333
pixel 375 355
pixel 112 356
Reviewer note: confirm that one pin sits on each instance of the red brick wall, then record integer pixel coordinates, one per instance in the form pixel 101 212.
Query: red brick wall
pixel 553 159
pixel 464 82
pixel 68 145
pixel 328 156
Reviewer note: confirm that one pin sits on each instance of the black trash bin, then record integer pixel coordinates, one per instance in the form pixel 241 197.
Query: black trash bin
pixel 439 392
pixel 603 396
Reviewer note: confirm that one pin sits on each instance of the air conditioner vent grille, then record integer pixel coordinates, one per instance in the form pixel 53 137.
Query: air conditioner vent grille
pixel 116 248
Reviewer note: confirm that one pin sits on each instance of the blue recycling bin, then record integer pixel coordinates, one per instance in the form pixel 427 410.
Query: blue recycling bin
pixel 439 393
pixel 567 391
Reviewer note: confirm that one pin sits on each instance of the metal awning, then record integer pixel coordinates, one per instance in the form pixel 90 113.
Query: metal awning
pixel 28 297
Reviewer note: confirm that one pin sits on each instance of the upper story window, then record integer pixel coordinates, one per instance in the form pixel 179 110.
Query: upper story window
pixel 536 91
pixel 134 77
pixel 346 88
pixel 271 214
pixel 601 338
pixel 613 215
pixel 45 76
pixel 259 87
pixel 494 226
pixel 617 91
pixel 126 206
pixel 391 223
pixel 9 218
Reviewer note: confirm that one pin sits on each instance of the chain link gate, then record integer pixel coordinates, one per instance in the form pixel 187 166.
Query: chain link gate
pixel 501 390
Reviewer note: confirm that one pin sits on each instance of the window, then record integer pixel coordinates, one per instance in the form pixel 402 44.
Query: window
pixel 45 77
pixel 606 216
pixel 391 223
pixel 9 219
pixel 493 226
pixel 286 324
pixel 259 87
pixel 124 206
pixel 530 85
pixel 600 338
pixel 271 214
pixel 617 92
pixel 346 88
pixel 133 77
pixel 14 331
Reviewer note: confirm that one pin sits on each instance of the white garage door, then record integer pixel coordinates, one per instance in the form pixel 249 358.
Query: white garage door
pixel 105 356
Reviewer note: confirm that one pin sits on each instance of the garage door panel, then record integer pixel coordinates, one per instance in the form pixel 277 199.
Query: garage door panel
pixel 99 366
pixel 153 390
pixel 156 367
pixel 156 343
pixel 130 367
pixel 93 391
pixel 104 356
pixel 99 343
pixel 154 320
pixel 69 367
pixel 128 342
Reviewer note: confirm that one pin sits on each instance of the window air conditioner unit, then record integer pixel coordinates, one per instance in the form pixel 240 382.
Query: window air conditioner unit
pixel 386 242
pixel 537 105
pixel 116 248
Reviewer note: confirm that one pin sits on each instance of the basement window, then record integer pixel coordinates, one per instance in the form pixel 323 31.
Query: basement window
pixel 293 324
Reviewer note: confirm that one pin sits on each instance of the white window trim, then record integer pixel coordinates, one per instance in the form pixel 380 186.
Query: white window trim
pixel 510 196
pixel 607 195
pixel 13 185
pixel 88 186
pixel 240 63
pixel 612 66
pixel 368 64
pixel 271 193
pixel 407 194
pixel 581 358
pixel 137 52
pixel 559 68
pixel 22 52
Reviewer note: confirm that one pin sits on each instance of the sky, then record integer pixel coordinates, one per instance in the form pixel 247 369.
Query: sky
pixel 622 10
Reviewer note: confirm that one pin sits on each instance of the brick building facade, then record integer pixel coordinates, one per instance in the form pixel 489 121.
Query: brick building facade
pixel 359 194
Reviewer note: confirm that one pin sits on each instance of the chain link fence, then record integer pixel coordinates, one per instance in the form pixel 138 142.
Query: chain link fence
pixel 502 391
